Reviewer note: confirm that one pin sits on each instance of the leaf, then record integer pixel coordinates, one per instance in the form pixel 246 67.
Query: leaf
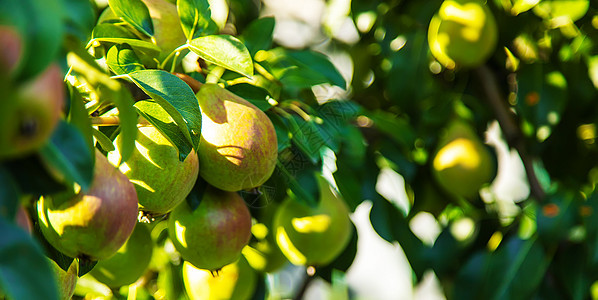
pixel 103 140
pixel 196 195
pixel 78 116
pixel 225 51
pixel 320 63
pixel 25 272
pixel 9 195
pixel 258 35
pixel 122 59
pixel 254 94
pixel 176 97
pixel 32 177
pixel 398 129
pixel 44 31
pixel 196 18
pixel 135 13
pixel 111 33
pixel 80 18
pixel 68 153
pixel 301 183
pixel 160 119
pixel 391 225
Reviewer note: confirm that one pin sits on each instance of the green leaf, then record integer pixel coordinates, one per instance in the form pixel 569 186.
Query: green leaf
pixel 78 116
pixel 176 97
pixel 80 18
pixel 122 59
pixel 135 13
pixel 225 51
pixel 9 195
pixel 258 35
pixel 301 182
pixel 320 64
pixel 556 217
pixel 25 272
pixel 160 119
pixel 397 129
pixel 111 33
pixel 254 94
pixel 196 18
pixel 68 153
pixel 45 30
pixel 103 140
pixel 391 225
pixel 32 176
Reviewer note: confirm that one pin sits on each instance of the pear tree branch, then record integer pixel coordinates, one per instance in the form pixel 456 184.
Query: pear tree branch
pixel 512 132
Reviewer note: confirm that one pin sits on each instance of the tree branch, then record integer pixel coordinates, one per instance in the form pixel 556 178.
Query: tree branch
pixel 510 129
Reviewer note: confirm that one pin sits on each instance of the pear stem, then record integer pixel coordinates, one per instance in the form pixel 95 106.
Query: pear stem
pixel 176 52
pixel 510 129
pixel 215 74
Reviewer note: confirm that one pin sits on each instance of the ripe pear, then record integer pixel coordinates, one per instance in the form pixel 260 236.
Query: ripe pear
pixel 462 164
pixel 95 224
pixel 313 235
pixel 238 147
pixel 129 263
pixel 66 280
pixel 234 281
pixel 30 112
pixel 212 235
pixel 161 180
pixel 168 33
pixel 463 33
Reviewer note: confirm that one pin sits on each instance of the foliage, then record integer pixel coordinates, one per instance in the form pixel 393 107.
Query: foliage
pixel 529 233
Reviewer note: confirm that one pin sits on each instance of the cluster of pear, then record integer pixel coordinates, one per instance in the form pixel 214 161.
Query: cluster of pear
pixel 238 151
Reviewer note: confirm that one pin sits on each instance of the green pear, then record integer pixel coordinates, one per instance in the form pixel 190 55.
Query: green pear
pixel 66 280
pixel 30 112
pixel 130 261
pixel 463 33
pixel 238 148
pixel 168 33
pixel 212 235
pixel 161 180
pixel 313 235
pixel 234 281
pixel 262 253
pixel 92 225
pixel 462 164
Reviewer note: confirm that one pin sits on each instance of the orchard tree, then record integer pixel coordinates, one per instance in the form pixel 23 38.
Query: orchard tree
pixel 159 149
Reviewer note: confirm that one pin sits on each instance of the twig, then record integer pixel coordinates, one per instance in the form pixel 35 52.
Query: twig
pixel 510 129
pixel 113 121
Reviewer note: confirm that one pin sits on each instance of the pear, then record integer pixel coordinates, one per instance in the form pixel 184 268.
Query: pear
pixel 168 33
pixel 30 112
pixel 92 225
pixel 213 234
pixel 234 281
pixel 129 263
pixel 161 180
pixel 463 33
pixel 238 147
pixel 313 235
pixel 462 164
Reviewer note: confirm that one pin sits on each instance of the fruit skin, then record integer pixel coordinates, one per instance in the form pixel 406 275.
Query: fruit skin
pixel 313 235
pixel 463 33
pixel 96 224
pixel 238 147
pixel 30 112
pixel 161 180
pixel 129 263
pixel 12 49
pixel 233 281
pixel 168 33
pixel 263 254
pixel 66 280
pixel 212 235
pixel 462 164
